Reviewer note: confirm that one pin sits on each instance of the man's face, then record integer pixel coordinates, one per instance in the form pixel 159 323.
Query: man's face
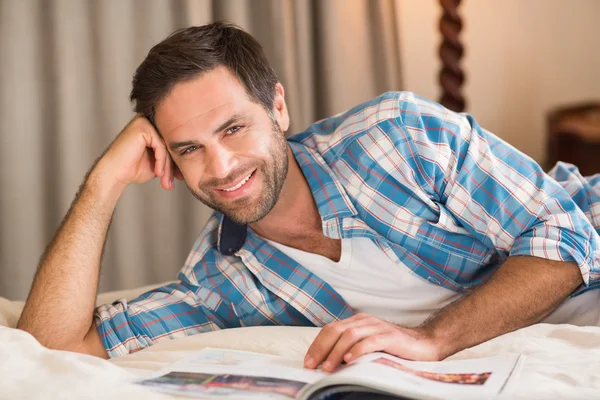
pixel 230 151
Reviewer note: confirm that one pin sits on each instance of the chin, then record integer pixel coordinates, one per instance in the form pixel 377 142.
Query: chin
pixel 247 214
pixel 244 218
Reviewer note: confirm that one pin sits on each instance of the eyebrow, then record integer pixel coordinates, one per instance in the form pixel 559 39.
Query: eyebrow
pixel 234 118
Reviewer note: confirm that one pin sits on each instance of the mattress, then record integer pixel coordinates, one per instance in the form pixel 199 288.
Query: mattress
pixel 561 361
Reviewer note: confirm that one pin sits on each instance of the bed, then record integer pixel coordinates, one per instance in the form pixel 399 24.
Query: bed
pixel 561 361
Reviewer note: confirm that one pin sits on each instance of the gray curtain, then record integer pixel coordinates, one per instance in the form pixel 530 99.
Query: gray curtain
pixel 65 75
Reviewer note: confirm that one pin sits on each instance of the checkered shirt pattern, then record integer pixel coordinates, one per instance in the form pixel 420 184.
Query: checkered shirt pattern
pixel 434 191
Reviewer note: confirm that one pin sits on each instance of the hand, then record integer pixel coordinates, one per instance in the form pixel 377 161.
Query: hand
pixel 361 334
pixel 138 155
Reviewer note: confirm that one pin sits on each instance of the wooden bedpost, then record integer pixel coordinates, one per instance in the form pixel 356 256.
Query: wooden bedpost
pixel 451 51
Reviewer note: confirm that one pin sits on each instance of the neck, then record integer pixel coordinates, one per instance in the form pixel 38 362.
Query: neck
pixel 295 212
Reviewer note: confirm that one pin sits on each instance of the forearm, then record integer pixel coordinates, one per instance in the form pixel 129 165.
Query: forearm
pixel 522 292
pixel 59 309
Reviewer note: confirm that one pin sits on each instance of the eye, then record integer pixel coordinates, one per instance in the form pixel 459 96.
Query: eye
pixel 189 150
pixel 233 130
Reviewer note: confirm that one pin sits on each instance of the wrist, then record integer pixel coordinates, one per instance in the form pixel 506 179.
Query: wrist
pixel 104 186
pixel 443 346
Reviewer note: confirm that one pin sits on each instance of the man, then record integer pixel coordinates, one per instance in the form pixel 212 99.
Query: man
pixel 398 226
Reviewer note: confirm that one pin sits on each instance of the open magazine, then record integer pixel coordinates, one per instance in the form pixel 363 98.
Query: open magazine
pixel 215 373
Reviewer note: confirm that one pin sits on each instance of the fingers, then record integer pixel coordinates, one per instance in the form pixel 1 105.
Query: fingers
pixel 327 339
pixel 137 155
pixel 410 344
pixel 167 179
pixel 371 344
pixel 348 340
pixel 163 164
pixel 160 153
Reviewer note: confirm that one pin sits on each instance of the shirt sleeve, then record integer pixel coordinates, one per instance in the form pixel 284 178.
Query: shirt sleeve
pixel 168 312
pixel 497 193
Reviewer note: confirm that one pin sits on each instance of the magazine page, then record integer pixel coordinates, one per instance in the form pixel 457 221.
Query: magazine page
pixel 215 373
pixel 232 374
pixel 476 378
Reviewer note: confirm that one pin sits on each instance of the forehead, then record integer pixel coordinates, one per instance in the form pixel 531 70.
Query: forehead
pixel 198 104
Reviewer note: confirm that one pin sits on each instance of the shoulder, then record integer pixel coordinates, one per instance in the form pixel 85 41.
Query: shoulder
pixel 355 119
pixel 331 136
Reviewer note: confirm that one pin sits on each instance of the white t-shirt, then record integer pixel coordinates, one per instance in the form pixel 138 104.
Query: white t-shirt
pixel 372 283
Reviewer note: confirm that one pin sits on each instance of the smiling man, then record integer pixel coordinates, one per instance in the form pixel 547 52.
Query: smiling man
pixel 398 226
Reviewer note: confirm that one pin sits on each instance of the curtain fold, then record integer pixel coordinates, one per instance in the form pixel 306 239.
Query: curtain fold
pixel 65 76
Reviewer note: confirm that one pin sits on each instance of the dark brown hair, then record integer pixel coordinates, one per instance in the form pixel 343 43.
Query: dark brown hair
pixel 189 52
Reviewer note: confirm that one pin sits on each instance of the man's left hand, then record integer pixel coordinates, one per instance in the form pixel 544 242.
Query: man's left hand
pixel 361 334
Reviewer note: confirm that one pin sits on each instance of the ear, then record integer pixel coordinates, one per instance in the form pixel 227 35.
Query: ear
pixel 280 109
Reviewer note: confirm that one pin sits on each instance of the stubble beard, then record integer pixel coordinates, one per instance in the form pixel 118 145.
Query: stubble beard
pixel 273 172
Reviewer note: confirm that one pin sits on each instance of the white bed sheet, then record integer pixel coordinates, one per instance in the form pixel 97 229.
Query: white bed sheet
pixel 561 361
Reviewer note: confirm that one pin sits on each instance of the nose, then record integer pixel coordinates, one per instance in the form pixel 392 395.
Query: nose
pixel 220 161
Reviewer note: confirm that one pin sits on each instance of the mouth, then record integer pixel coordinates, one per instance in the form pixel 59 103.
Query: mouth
pixel 239 188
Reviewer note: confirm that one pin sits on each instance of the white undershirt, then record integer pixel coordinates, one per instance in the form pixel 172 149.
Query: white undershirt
pixel 372 283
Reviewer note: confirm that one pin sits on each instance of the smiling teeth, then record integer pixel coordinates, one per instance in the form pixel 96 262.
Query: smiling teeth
pixel 239 185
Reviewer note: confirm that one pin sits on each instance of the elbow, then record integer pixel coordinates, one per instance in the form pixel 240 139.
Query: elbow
pixel 38 334
pixel 82 346
pixel 52 340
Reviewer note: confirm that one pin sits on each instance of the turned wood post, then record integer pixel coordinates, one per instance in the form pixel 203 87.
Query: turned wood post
pixel 451 51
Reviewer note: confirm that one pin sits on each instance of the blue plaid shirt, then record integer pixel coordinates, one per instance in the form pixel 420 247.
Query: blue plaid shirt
pixel 433 190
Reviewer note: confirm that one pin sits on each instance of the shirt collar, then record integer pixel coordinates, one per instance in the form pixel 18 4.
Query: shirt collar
pixel 330 196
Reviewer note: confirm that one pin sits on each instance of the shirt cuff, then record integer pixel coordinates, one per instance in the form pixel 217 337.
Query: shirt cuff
pixel 559 244
pixel 114 328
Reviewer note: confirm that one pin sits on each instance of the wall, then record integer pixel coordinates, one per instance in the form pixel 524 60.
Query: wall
pixel 523 58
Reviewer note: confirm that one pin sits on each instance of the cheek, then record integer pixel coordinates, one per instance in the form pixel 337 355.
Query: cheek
pixel 256 145
pixel 192 173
